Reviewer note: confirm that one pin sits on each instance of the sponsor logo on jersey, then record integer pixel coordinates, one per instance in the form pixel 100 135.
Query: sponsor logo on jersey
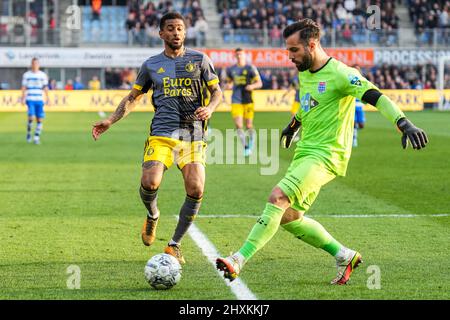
pixel 307 102
pixel 322 87
pixel 354 80
pixel 161 70
pixel 175 87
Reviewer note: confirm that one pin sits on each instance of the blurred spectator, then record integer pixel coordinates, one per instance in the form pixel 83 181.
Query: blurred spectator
pixel 266 78
pixel 96 6
pixel 275 36
pixel 430 19
pixel 191 33
pixel 201 27
pixel 109 78
pixel 125 86
pixel 152 32
pixel 119 78
pixel 347 35
pixel 69 85
pixel 78 85
pixel 127 75
pixel 252 21
pixel 141 30
pixel 52 84
pixel 142 24
pixel 130 25
pixel 94 84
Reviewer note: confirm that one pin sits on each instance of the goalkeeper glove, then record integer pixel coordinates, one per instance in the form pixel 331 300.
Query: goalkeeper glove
pixel 416 136
pixel 288 133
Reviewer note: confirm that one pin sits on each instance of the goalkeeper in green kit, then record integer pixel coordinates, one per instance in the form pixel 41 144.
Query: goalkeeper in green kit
pixel 328 89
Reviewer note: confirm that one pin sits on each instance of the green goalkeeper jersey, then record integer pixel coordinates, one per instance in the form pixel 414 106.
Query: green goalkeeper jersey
pixel 327 100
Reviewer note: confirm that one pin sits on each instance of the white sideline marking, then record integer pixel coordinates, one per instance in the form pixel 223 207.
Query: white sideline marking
pixel 334 215
pixel 238 287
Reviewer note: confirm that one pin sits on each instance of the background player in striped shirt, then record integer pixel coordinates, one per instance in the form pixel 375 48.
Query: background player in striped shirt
pixel 34 86
pixel 360 118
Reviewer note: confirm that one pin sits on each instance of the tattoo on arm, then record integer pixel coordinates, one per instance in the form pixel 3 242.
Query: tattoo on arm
pixel 126 105
pixel 216 96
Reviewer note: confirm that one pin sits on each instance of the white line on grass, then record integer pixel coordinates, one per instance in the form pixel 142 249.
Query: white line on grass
pixel 335 215
pixel 238 287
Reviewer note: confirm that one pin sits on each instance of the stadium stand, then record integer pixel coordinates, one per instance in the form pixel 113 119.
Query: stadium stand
pixel 247 23
pixel 107 27
pixel 344 20
pixel 138 22
pixel 428 16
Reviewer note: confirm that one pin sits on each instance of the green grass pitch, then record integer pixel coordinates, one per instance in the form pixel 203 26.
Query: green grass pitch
pixel 73 201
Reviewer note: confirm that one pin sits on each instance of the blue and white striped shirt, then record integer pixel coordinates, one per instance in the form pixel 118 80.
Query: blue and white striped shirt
pixel 34 83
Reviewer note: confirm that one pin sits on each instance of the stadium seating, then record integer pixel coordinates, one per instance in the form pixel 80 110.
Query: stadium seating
pixel 109 28
pixel 143 19
pixel 342 17
pixel 428 17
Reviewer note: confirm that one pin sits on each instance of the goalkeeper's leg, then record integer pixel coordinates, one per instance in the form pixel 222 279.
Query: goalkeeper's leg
pixel 313 233
pixel 265 228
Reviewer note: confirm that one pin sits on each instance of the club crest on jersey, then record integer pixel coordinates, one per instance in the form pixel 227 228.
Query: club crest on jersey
pixel 307 102
pixel 190 67
pixel 354 80
pixel 322 87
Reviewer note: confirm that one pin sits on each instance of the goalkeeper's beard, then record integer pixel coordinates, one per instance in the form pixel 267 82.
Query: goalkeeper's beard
pixel 306 63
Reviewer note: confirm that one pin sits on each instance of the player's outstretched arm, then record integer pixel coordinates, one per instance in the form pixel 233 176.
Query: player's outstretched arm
pixel 410 133
pixel 288 133
pixel 204 113
pixel 125 107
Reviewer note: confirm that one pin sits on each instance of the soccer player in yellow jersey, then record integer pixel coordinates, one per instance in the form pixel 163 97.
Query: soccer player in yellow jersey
pixel 244 78
pixel 328 89
pixel 177 77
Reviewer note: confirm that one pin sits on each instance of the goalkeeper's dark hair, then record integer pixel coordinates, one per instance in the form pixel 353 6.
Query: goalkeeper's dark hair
pixel 308 28
pixel 170 16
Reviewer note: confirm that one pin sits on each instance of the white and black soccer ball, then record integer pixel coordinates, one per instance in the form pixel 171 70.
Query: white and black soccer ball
pixel 162 271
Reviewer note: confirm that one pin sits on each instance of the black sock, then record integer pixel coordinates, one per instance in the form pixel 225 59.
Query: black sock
pixel 188 212
pixel 149 198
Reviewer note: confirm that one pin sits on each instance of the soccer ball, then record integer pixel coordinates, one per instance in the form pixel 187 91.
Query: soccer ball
pixel 162 271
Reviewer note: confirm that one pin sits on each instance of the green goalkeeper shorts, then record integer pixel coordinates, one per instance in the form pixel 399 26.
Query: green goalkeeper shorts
pixel 303 180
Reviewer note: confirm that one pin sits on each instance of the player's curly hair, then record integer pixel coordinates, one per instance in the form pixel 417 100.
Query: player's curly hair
pixel 170 16
pixel 308 29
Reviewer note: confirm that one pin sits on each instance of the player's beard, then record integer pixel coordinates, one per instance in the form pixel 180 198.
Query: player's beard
pixel 306 63
pixel 175 46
